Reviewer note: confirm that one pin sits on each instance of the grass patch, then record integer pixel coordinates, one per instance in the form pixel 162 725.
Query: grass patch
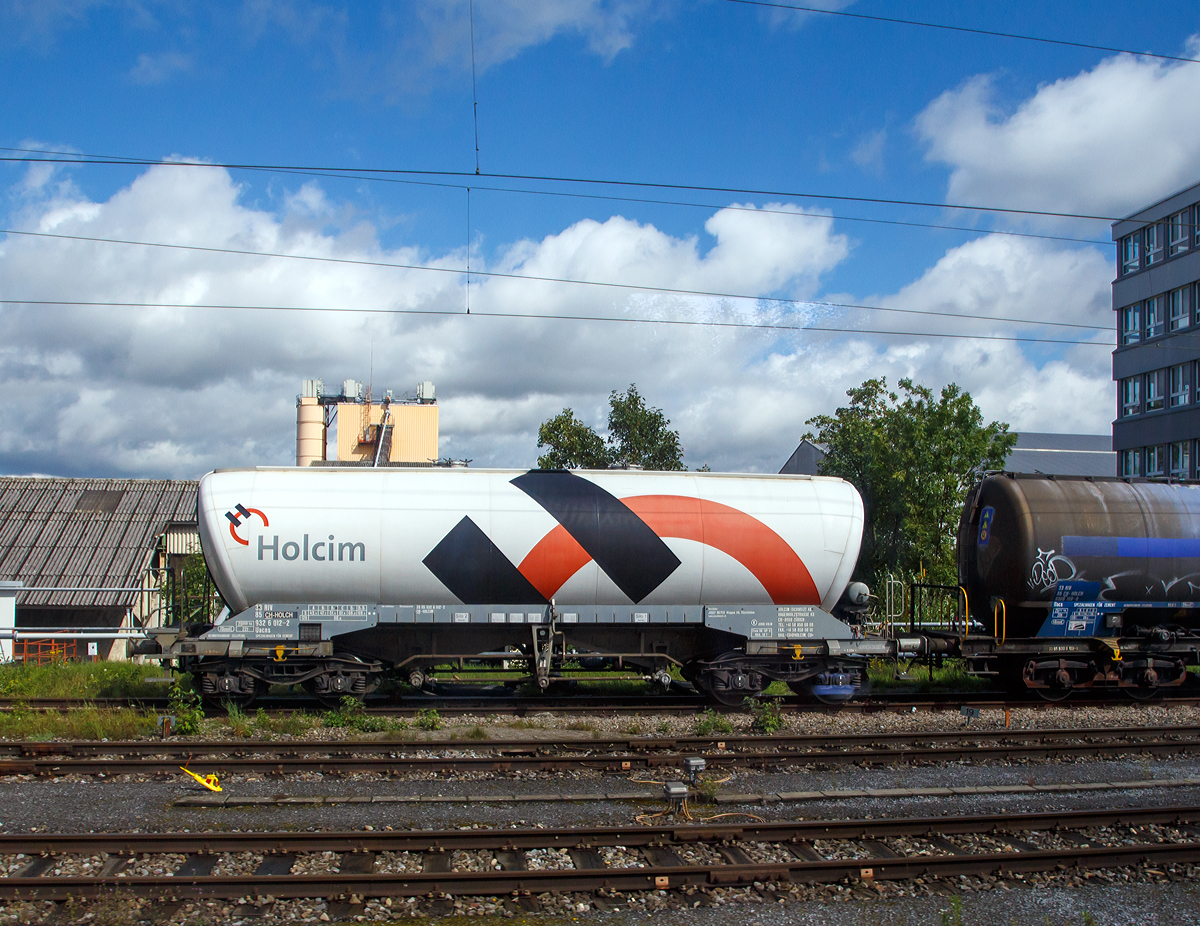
pixel 83 723
pixel 952 675
pixel 296 724
pixel 522 724
pixel 474 733
pixel 583 725
pixel 80 680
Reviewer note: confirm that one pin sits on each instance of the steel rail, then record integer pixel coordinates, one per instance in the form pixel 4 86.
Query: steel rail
pixel 498 883
pixel 186 748
pixel 585 837
pixel 623 704
pixel 392 758
pixel 621 762
pixel 807 866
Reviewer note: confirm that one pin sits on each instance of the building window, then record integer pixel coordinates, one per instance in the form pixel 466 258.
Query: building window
pixel 1154 461
pixel 1154 316
pixel 1179 232
pixel 1154 245
pixel 1177 309
pixel 1181 384
pixel 1131 396
pixel 1131 462
pixel 1131 323
pixel 1181 459
pixel 1130 258
pixel 1155 387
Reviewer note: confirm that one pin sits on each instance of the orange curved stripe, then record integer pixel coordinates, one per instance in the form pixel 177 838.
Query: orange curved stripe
pixel 557 556
pixel 553 560
pixel 749 541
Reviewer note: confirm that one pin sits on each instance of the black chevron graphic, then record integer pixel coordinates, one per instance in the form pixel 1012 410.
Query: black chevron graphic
pixel 620 542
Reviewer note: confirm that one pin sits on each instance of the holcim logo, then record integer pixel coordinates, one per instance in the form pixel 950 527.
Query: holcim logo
pixel 236 517
pixel 322 551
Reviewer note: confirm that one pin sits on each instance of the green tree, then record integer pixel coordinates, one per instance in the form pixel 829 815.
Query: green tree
pixel 573 445
pixel 637 435
pixel 912 459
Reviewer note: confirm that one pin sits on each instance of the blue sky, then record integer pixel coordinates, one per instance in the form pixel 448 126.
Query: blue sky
pixel 717 94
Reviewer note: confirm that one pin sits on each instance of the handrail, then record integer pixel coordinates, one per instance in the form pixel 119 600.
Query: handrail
pixel 998 609
pixel 966 612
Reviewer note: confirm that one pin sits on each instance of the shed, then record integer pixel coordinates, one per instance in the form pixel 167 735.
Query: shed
pixel 106 543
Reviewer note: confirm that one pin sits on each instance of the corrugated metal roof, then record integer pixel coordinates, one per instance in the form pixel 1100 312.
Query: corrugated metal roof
pixel 86 532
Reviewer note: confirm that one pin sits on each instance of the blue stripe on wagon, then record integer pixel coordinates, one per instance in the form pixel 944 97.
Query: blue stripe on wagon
pixel 1133 547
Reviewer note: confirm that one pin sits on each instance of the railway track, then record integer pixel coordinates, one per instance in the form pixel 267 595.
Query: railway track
pixel 56 759
pixel 593 862
pixel 658 705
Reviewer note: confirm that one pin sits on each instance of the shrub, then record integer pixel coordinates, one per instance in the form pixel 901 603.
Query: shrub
pixel 185 705
pixel 766 713
pixel 429 719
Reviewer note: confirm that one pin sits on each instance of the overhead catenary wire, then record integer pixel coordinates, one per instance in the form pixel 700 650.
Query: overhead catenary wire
pixel 474 92
pixel 991 33
pixel 562 316
pixel 643 200
pixel 665 290
pixel 113 160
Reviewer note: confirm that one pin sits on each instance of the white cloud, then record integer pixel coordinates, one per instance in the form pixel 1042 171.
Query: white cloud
pixel 505 28
pixel 175 391
pixel 407 45
pixel 163 391
pixel 1106 141
pixel 868 153
pixel 159 68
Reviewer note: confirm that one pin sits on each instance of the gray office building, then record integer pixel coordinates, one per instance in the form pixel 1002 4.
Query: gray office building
pixel 1158 338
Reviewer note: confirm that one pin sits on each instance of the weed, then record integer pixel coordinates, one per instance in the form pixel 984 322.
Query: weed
pixel 428 719
pixel 711 722
pixel 663 728
pixel 352 715
pixel 1088 919
pixel 185 705
pixel 114 909
pixel 953 916
pixel 706 788
pixel 291 724
pixel 582 725
pixel 239 723
pixel 632 729
pixel 522 724
pixel 767 716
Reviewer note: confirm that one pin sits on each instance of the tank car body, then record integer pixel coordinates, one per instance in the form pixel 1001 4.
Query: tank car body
pixel 463 536
pixel 1082 582
pixel 337 576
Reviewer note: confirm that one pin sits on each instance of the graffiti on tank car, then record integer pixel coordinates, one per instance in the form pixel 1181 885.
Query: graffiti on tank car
pixel 1049 569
